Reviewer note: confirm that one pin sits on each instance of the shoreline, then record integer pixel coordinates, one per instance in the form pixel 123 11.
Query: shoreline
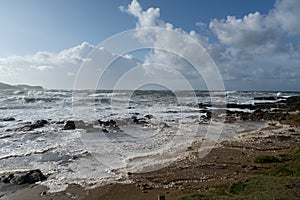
pixel 231 160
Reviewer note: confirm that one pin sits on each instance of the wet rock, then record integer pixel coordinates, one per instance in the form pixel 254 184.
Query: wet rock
pixel 293 103
pixel 109 126
pixel 38 124
pixel 265 98
pixel 69 125
pixel 20 178
pixel 105 130
pixel 7 119
pixel 109 123
pixel 141 121
pixel 241 106
pixel 31 126
pixel 204 105
pixel 149 116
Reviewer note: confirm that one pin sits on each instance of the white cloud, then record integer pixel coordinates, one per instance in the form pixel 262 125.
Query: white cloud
pixel 148 18
pixel 254 31
pixel 287 15
pixel 251 48
pixel 44 68
pixel 173 47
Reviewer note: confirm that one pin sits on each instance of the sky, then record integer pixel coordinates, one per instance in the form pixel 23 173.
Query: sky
pixel 255 44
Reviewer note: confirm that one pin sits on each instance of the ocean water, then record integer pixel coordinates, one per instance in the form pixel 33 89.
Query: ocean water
pixel 90 157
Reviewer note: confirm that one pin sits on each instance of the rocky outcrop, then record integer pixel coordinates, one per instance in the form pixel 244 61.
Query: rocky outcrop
pixel 31 126
pixel 276 111
pixel 19 178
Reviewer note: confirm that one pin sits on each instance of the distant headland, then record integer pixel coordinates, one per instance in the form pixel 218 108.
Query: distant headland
pixel 4 86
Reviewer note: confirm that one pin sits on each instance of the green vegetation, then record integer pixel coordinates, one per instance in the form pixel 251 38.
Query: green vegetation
pixel 294 119
pixel 281 182
pixel 266 159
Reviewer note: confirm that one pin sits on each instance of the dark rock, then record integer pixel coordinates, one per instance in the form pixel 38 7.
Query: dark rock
pixel 69 125
pixel 20 178
pixel 265 98
pixel 172 111
pixel 204 105
pixel 7 119
pixel 149 116
pixel 109 123
pixel 241 106
pixel 293 103
pixel 31 126
pixel 139 120
pixel 105 130
pixel 38 124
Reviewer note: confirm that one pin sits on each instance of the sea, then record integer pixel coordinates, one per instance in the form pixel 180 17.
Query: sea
pixel 151 129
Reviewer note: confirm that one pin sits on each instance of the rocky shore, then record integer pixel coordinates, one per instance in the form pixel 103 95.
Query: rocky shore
pixel 231 160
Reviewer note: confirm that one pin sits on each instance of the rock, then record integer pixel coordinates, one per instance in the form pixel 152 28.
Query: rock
pixel 293 103
pixel 241 106
pixel 105 130
pixel 69 125
pixel 141 121
pixel 204 105
pixel 31 126
pixel 38 124
pixel 111 123
pixel 109 126
pixel 7 119
pixel 20 178
pixel 265 98
pixel 149 116
pixel 144 186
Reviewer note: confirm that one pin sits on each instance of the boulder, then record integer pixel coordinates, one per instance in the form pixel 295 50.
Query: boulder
pixel 69 125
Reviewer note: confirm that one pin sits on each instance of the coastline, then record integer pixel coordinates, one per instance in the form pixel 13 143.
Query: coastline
pixel 231 160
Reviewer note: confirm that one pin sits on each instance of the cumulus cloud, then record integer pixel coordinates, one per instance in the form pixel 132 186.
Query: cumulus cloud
pixel 52 70
pixel 254 31
pixel 258 32
pixel 252 48
pixel 174 48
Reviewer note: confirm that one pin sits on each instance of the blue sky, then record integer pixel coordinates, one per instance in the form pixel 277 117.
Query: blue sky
pixel 53 25
pixel 255 43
